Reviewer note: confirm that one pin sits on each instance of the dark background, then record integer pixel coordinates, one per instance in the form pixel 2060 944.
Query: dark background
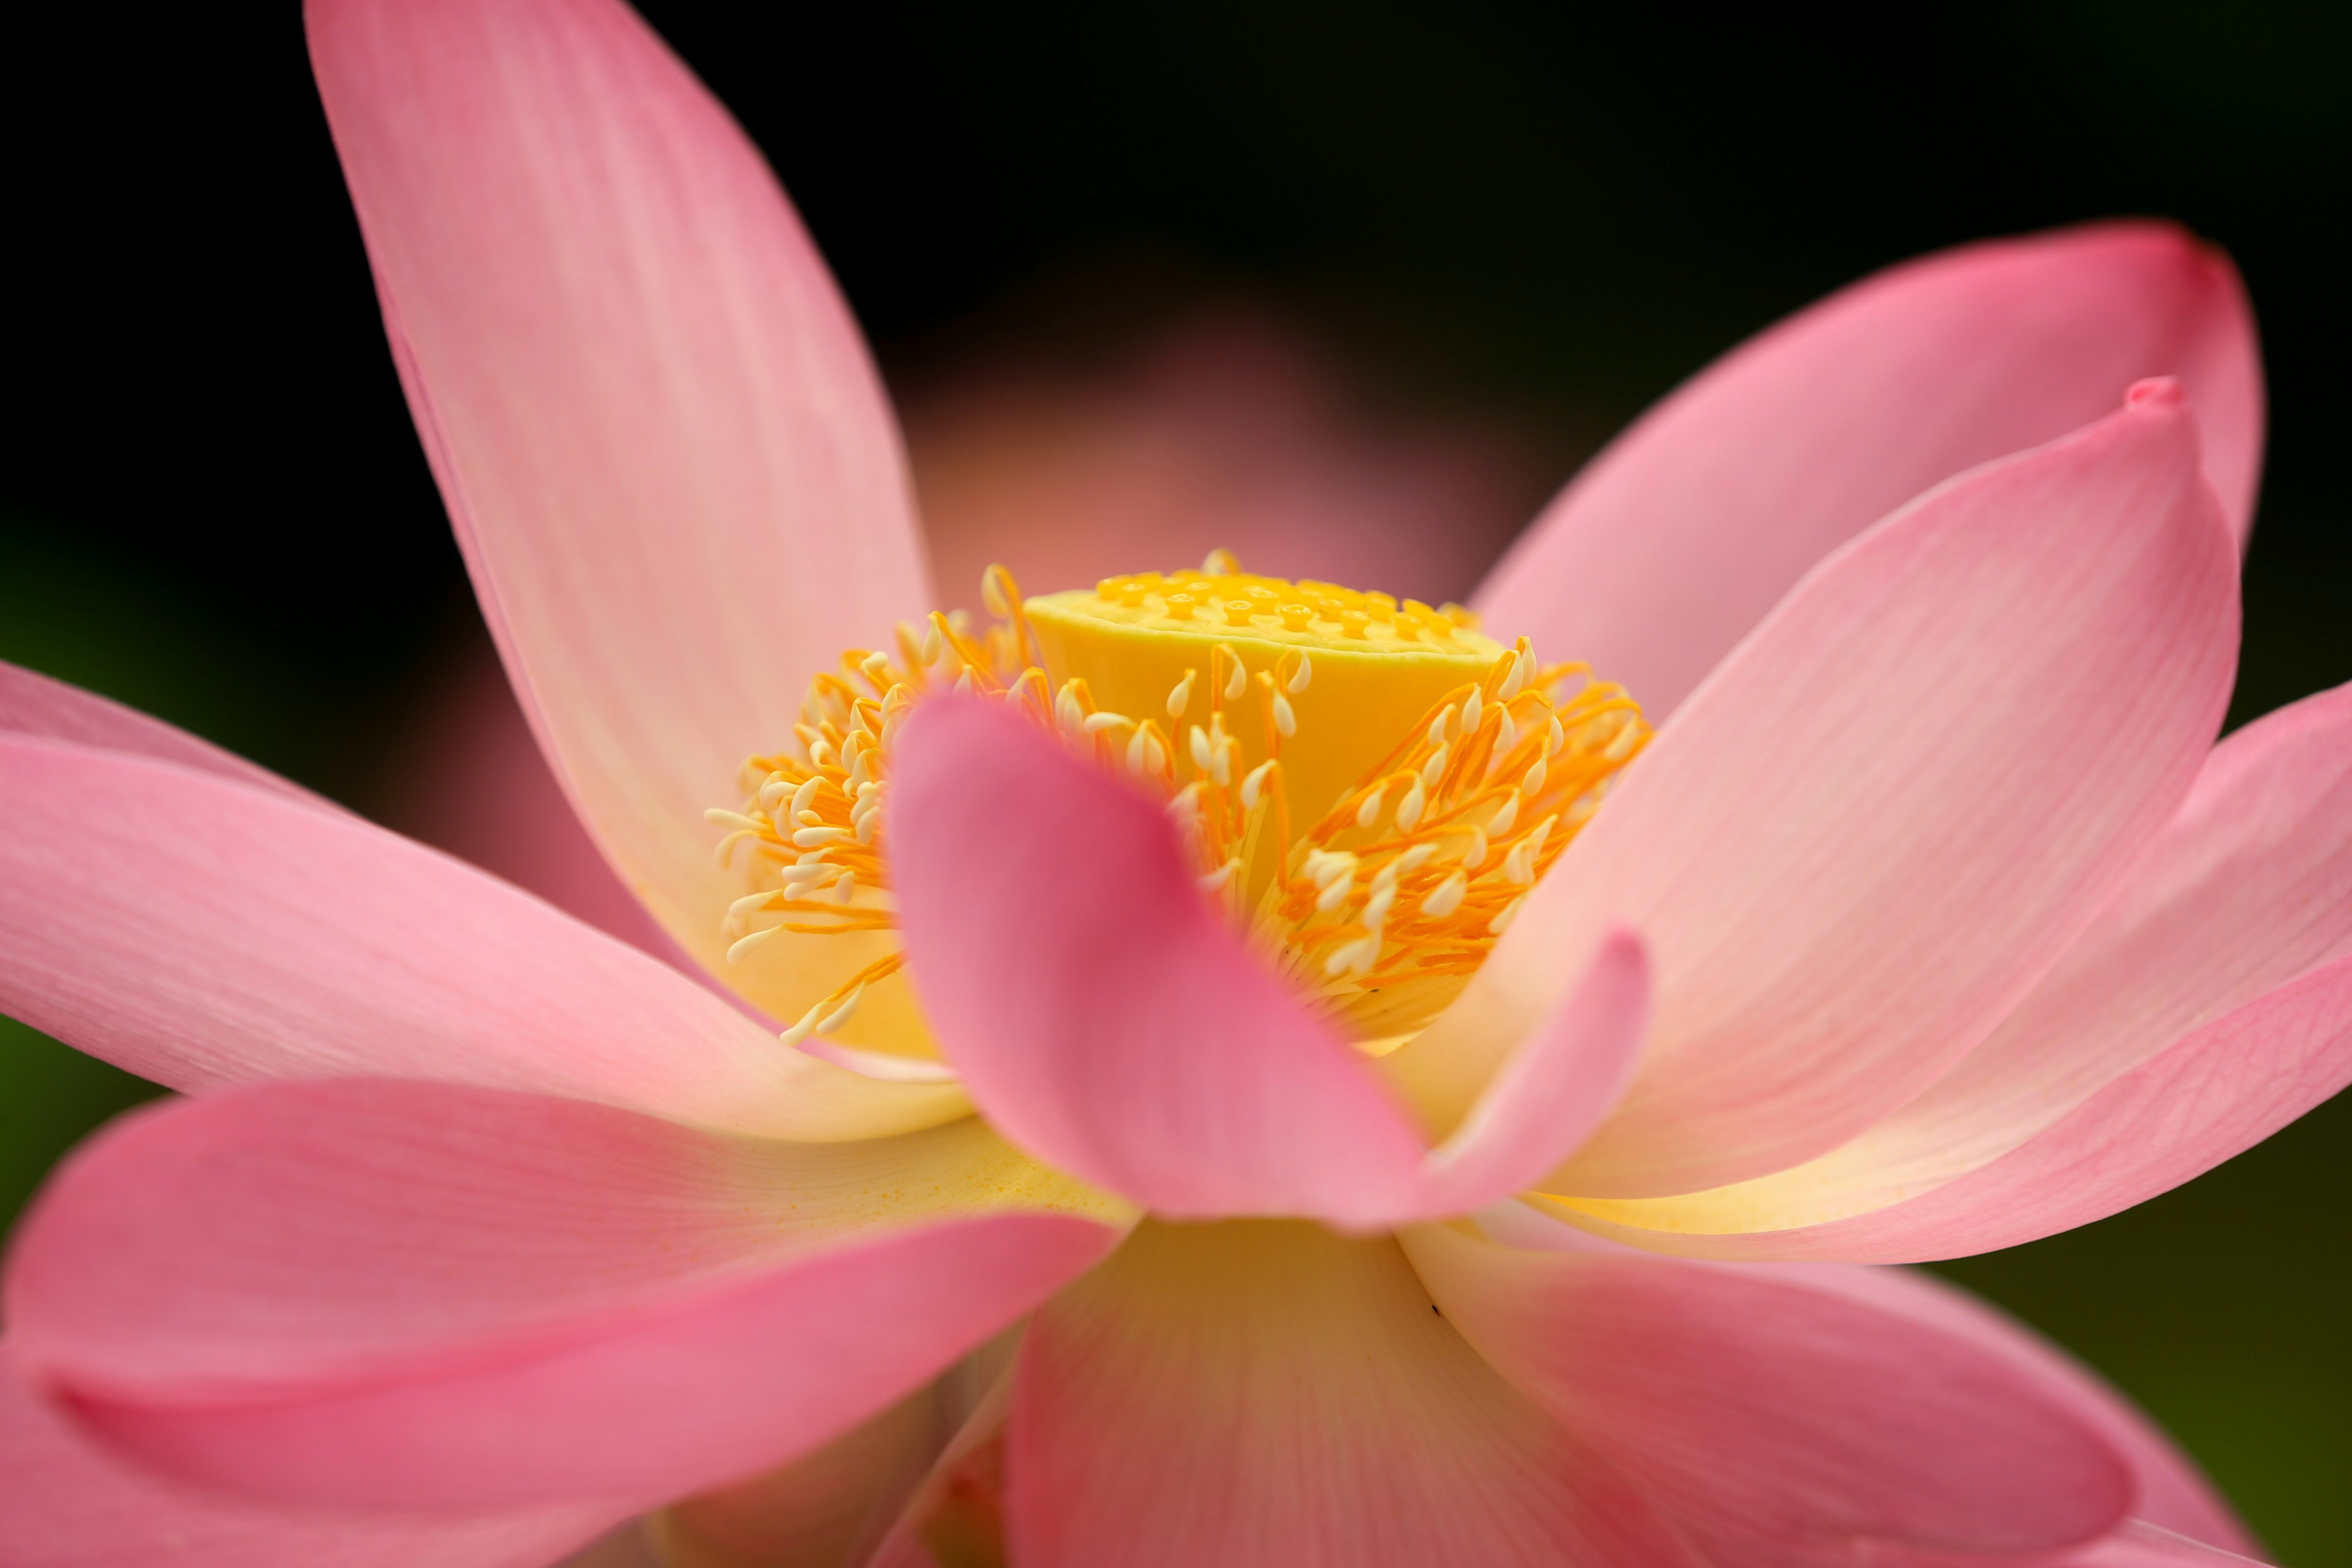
pixel 212 506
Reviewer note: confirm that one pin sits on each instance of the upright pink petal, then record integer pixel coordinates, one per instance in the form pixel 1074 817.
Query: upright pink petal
pixel 71 1505
pixel 668 459
pixel 1105 1018
pixel 398 1294
pixel 31 704
pixel 1881 820
pixel 1676 539
pixel 202 932
pixel 1266 1394
pixel 1789 1421
pixel 2248 888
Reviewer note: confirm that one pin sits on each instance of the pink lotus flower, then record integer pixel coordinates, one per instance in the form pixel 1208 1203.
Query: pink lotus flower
pixel 1931 921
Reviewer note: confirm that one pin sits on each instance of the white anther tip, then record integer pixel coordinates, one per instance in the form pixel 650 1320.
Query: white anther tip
pixel 1407 811
pixel 735 954
pixel 1447 897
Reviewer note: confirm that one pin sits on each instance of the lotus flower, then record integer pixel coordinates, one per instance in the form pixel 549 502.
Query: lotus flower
pixel 1313 1027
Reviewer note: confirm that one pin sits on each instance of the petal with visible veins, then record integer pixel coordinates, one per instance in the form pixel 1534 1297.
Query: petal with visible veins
pixel 668 459
pixel 1883 819
pixel 1788 1420
pixel 97 1511
pixel 1107 1018
pixel 2250 886
pixel 1264 1394
pixel 2213 1095
pixel 202 932
pixel 2172 1492
pixel 1680 537
pixel 397 1294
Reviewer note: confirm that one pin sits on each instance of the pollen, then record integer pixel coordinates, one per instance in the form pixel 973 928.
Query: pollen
pixel 1368 788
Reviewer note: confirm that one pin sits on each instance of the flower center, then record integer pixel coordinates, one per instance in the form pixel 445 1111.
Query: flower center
pixel 1369 788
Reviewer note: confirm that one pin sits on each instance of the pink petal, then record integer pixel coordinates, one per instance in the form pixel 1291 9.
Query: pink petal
pixel 2215 1094
pixel 1678 539
pixel 2248 887
pixel 398 1294
pixel 72 1505
pixel 202 933
pixel 666 454
pixel 1108 1019
pixel 1883 819
pixel 1266 1394
pixel 31 704
pixel 2171 1491
pixel 1786 1420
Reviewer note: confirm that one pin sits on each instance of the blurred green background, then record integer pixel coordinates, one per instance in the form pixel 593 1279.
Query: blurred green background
pixel 1528 219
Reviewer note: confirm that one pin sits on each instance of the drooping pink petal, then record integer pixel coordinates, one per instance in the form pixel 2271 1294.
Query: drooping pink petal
pixel 2248 887
pixel 1676 539
pixel 1881 821
pixel 2171 1491
pixel 31 704
pixel 1789 1420
pixel 666 454
pixel 2213 1095
pixel 1261 1395
pixel 202 932
pixel 71 1505
pixel 391 1293
pixel 1102 1016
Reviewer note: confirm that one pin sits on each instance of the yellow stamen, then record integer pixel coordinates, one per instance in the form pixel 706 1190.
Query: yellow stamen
pixel 1440 774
